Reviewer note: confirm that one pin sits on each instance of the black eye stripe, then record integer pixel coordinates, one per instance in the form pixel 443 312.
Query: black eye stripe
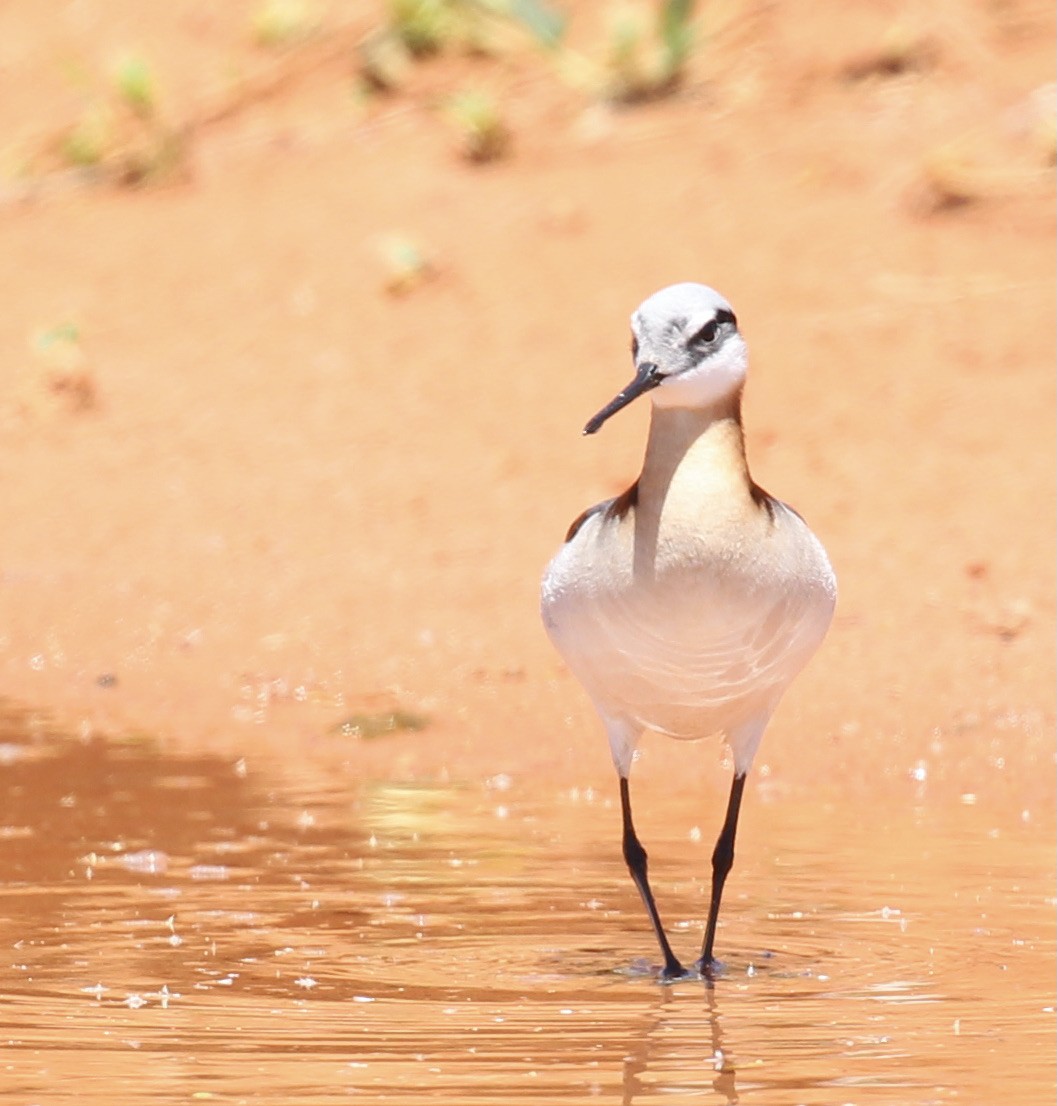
pixel 708 332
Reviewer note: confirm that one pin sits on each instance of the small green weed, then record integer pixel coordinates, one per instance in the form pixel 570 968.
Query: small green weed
pixel 423 26
pixel 59 377
pixel 121 132
pixel 405 263
pixel 428 26
pixel 647 56
pixel 135 87
pixel 381 724
pixel 484 133
pixel 86 143
pixel 278 23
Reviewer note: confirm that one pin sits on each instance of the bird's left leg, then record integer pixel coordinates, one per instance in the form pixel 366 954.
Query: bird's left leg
pixel 722 862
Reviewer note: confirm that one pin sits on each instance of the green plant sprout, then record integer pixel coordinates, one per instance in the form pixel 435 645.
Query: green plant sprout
pixel 479 120
pixel 279 23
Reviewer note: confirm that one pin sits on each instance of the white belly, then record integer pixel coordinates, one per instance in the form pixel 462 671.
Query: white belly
pixel 697 642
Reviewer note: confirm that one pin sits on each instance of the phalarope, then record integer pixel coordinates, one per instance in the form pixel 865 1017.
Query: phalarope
pixel 687 604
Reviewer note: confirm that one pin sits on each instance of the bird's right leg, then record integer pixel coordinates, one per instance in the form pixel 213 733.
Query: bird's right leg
pixel 635 857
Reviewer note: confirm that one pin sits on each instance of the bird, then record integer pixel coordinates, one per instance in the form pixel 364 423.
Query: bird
pixel 687 604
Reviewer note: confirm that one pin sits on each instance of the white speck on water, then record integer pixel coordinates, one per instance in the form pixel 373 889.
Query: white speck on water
pixel 135 1002
pixel 240 768
pixel 305 981
pixel 501 811
pixel 717 1059
pixel 695 834
pixel 211 872
pixel 920 772
pixel 499 782
pixel 147 862
pixel 593 904
pixel 957 1027
pixel 306 819
pixel 968 799
pixel 98 990
pixel 362 998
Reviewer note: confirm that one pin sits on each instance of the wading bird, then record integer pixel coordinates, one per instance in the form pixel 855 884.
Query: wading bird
pixel 687 604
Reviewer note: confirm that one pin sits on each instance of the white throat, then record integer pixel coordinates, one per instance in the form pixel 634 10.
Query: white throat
pixel 717 378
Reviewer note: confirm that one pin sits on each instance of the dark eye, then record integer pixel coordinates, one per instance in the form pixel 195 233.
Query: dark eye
pixel 634 347
pixel 707 334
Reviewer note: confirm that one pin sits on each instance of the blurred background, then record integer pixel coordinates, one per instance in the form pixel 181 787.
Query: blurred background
pixel 307 303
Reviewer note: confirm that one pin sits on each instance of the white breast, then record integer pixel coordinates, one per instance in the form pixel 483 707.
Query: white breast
pixel 704 638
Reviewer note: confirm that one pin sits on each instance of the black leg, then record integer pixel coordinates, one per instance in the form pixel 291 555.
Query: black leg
pixel 635 856
pixel 722 862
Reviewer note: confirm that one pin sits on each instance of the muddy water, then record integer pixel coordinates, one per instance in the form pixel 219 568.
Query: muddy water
pixel 192 929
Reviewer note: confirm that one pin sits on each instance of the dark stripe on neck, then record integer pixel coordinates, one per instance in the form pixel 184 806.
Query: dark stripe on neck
pixel 619 507
pixel 614 509
pixel 762 498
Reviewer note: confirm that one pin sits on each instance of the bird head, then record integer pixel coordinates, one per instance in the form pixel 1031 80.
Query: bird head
pixel 687 351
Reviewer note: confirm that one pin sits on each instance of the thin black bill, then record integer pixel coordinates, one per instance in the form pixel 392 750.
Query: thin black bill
pixel 646 379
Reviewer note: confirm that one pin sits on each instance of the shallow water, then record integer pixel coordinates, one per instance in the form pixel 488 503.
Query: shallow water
pixel 184 928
